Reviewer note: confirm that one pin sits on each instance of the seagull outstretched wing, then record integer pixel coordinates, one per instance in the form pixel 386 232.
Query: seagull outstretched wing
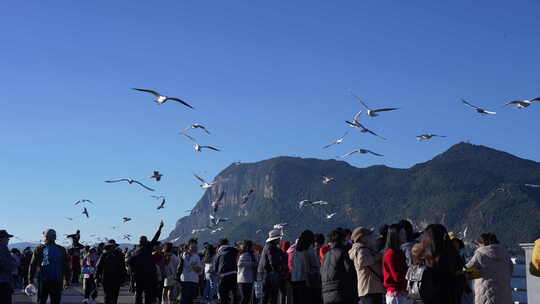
pixel 180 101
pixel 360 100
pixel 199 178
pixel 210 148
pixel 148 91
pixel 117 180
pixel 142 185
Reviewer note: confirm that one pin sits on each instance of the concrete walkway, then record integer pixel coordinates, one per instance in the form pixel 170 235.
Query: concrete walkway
pixel 74 295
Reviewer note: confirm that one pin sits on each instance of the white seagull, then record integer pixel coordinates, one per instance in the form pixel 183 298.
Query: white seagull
pixel 195 231
pixel 205 185
pixel 157 176
pixel 197 147
pixel 162 99
pixel 304 203
pixel 83 201
pixel 198 126
pixel 478 110
pixel 331 215
pixel 362 151
pixel 337 141
pixel 370 112
pixel 355 123
pixel 126 219
pixel 427 136
pixel 215 203
pixel 522 104
pixel 328 180
pixel 280 225
pixel 85 212
pixel 130 181
pixel 216 230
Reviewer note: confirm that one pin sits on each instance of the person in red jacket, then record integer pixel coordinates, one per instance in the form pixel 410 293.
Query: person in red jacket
pixel 395 267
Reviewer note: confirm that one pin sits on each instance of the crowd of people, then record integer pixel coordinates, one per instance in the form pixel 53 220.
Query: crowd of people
pixel 392 265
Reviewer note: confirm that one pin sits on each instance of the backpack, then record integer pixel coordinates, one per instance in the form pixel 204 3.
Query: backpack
pixel 420 282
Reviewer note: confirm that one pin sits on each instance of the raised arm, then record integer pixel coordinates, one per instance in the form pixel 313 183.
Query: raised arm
pixel 157 235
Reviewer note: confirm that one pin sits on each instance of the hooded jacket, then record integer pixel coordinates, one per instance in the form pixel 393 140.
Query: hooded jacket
pixel 495 266
pixel 368 264
pixel 225 262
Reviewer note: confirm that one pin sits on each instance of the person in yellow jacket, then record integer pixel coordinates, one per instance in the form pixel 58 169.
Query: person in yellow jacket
pixel 534 268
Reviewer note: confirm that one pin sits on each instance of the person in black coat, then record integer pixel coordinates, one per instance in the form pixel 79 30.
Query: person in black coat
pixel 111 272
pixel 338 273
pixel 144 270
pixel 272 266
pixel 225 266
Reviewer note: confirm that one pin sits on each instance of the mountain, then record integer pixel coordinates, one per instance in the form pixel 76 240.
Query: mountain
pixel 468 186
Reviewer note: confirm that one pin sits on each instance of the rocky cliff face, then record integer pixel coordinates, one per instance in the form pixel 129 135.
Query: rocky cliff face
pixel 467 186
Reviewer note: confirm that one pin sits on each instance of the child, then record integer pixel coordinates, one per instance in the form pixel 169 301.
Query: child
pixel 89 284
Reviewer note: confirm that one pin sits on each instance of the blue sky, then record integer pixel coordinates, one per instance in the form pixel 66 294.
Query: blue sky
pixel 268 78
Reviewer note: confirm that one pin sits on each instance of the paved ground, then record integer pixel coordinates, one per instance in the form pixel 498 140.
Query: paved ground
pixel 74 295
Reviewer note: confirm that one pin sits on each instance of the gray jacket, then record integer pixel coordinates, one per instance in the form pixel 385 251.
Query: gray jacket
pixel 7 265
pixel 247 267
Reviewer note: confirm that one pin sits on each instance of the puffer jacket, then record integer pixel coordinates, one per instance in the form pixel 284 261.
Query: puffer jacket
pixel 368 264
pixel 495 266
pixel 338 277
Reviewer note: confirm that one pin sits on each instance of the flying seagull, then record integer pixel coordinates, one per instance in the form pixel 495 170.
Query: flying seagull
pixel 83 201
pixel 216 230
pixel 280 225
pixel 478 110
pixel 362 151
pixel 370 112
pixel 304 203
pixel 331 215
pixel 157 176
pixel 245 197
pixel 162 204
pixel 197 147
pixel 162 99
pixel 258 231
pixel 328 180
pixel 85 212
pixel 205 185
pixel 522 104
pixel 127 237
pixel 427 136
pixel 69 218
pixel 195 231
pixel 126 219
pixel 337 141
pixel 130 181
pixel 198 126
pixel 355 123
pixel 215 203
pixel 76 235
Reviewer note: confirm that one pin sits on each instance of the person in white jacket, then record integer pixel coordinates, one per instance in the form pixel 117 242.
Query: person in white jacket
pixel 305 269
pixel 247 271
pixel 169 274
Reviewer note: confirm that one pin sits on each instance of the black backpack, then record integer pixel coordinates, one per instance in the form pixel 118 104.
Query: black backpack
pixel 421 282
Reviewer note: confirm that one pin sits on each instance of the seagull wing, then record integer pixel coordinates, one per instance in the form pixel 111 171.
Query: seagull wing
pixel 328 146
pixel 210 147
pixel 180 101
pixel 535 99
pixel 142 185
pixel 384 110
pixel 204 129
pixel 199 178
pixel 490 112
pixel 148 91
pixel 373 133
pixel 376 154
pixel 470 105
pixel 350 153
pixel 188 136
pixel 360 100
pixel 512 102
pixel 357 116
pixel 117 180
